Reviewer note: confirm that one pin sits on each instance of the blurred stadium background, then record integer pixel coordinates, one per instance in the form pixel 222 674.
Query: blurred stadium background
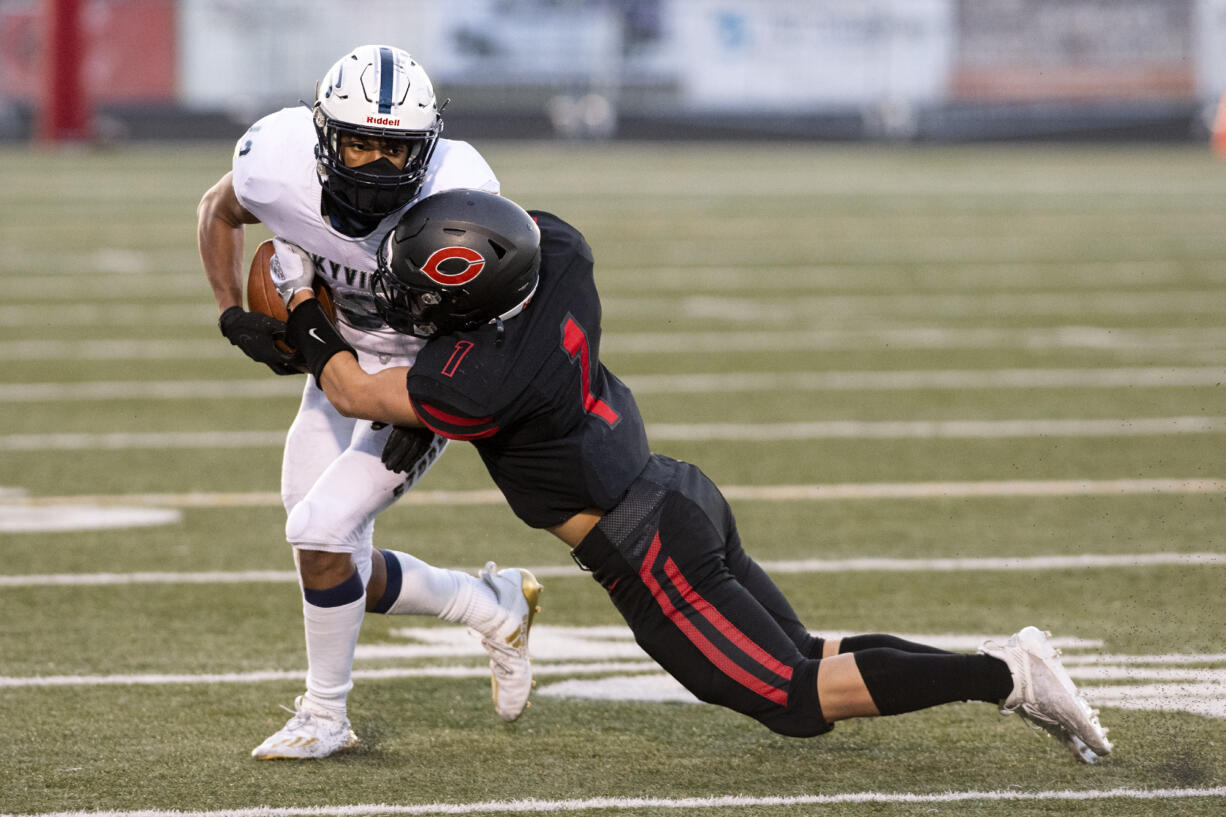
pixel 910 357
pixel 909 70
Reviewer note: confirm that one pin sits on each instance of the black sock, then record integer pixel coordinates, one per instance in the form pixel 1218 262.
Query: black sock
pixel 856 643
pixel 904 682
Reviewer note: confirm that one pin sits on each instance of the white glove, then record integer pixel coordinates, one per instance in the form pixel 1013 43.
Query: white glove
pixel 290 268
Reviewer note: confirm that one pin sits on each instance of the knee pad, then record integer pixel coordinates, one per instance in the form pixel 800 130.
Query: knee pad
pixel 307 527
pixel 328 526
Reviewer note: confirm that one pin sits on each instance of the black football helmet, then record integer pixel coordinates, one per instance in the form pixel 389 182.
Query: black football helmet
pixel 454 261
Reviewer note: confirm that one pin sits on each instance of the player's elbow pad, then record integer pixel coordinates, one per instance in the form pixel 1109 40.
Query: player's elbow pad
pixel 311 333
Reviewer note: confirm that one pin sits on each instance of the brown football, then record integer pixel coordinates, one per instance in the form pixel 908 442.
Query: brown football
pixel 262 295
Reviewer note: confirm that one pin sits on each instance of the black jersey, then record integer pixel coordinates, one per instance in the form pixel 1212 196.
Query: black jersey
pixel 557 431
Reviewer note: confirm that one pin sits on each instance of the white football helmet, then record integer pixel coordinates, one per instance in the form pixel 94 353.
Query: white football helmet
pixel 374 91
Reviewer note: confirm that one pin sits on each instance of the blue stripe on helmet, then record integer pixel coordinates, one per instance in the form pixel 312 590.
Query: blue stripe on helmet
pixel 387 73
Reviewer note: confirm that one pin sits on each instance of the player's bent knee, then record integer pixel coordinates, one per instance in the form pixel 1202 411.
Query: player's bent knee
pixel 324 570
pixel 792 710
pixel 310 523
pixel 798 718
pixel 296 522
pixel 791 725
pixel 321 561
pixel 801 716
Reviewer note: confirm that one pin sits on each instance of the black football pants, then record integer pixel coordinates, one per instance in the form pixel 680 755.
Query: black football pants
pixel 671 560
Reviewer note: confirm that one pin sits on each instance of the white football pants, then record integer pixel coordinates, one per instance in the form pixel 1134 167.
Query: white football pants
pixel 333 483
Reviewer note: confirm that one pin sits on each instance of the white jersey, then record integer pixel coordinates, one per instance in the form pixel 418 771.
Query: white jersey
pixel 275 180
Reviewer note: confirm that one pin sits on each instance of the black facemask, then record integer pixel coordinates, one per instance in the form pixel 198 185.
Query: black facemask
pixel 382 166
pixel 359 197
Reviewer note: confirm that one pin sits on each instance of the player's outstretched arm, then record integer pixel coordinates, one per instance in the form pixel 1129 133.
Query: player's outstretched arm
pixel 380 397
pixel 219 235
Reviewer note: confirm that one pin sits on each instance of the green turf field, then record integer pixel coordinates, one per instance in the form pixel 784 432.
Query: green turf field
pixel 951 392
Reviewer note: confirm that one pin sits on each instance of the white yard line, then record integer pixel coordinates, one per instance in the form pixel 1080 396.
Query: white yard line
pixel 126 314
pixel 1059 337
pixel 260 677
pixel 116 350
pixel 936 429
pixel 574 655
pixel 150 577
pixel 1135 377
pixel 1135 671
pixel 1173 658
pixel 134 280
pixel 1024 563
pixel 709 343
pixel 861 565
pixel 729 432
pixel 753 309
pixel 955 490
pixel 745 309
pixel 14 497
pixel 255 499
pixel 140 440
pixel 15 507
pixel 1159 377
pixel 144 390
pixel 739 801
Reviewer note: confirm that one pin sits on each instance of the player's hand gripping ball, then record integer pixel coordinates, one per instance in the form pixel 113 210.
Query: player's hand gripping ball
pixel 263 297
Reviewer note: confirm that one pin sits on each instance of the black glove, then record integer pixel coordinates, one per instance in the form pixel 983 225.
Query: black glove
pixel 405 446
pixel 256 334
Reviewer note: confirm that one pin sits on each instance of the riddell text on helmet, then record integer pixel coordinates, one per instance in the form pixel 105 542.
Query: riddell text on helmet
pixel 381 120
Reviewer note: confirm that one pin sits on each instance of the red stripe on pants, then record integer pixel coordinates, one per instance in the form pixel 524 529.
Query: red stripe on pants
pixel 729 630
pixel 713 653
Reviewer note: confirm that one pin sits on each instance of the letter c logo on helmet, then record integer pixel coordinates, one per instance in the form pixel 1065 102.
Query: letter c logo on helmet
pixel 465 265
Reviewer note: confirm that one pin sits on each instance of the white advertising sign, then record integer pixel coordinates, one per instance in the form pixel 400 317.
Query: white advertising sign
pixel 784 55
pixel 1211 48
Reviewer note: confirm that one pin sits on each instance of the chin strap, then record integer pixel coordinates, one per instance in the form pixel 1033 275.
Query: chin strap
pixel 310 332
pixel 519 307
pixel 499 330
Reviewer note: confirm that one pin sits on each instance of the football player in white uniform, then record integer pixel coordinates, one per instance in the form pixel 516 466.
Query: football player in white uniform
pixel 329 182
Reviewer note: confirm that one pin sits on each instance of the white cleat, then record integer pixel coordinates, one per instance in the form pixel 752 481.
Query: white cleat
pixel 313 732
pixel 1075 745
pixel 518 592
pixel 1044 694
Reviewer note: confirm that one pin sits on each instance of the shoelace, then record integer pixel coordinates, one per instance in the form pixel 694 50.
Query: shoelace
pixel 302 716
pixel 299 719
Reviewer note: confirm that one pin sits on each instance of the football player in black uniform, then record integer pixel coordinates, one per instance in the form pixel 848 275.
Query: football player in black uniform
pixel 508 302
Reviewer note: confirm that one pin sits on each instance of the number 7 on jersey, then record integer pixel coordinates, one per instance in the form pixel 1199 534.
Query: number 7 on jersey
pixel 574 341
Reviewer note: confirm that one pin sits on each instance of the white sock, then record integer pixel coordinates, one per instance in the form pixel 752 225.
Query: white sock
pixel 450 595
pixel 331 635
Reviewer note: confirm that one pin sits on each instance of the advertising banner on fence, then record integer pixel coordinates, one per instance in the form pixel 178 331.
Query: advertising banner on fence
pixel 782 55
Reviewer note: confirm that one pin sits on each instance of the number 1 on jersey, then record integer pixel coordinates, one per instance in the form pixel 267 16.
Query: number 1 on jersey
pixel 574 341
